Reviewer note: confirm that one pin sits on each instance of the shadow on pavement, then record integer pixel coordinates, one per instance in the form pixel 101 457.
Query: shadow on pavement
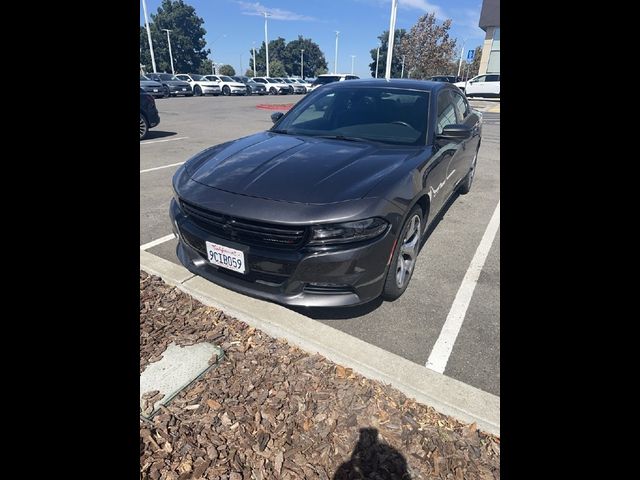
pixel 155 134
pixel 372 459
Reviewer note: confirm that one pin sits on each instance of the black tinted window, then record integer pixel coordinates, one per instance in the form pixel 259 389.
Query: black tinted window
pixel 493 78
pixel 446 112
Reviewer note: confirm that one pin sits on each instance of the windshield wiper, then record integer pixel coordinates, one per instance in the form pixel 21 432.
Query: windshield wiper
pixel 279 130
pixel 346 138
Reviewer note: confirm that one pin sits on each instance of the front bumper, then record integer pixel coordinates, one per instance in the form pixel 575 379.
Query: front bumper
pixel 211 90
pixel 345 276
pixel 238 90
pixel 180 91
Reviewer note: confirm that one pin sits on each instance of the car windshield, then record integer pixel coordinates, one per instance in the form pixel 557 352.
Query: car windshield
pixel 197 78
pixel 167 77
pixel 270 80
pixel 144 79
pixel 325 80
pixel 226 79
pixel 379 114
pixel 288 80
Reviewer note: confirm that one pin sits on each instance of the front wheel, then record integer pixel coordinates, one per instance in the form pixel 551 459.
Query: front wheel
pixel 273 91
pixel 465 186
pixel 404 257
pixel 144 127
pixel 226 91
pixel 197 91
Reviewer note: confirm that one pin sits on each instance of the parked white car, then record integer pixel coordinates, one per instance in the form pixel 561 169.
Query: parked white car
pixel 228 85
pixel 331 77
pixel 200 85
pixel 481 86
pixel 306 84
pixel 273 86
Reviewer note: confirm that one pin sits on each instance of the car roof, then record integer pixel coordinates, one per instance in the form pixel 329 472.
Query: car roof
pixel 426 85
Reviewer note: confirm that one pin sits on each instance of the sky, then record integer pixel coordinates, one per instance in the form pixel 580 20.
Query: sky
pixel 234 25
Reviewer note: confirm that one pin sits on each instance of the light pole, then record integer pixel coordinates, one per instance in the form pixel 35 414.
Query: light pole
pixel 170 54
pixel 335 62
pixel 461 52
pixel 266 41
pixel 353 59
pixel 302 63
pixel 254 59
pixel 377 60
pixel 146 22
pixel 392 32
pixel 241 65
pixel 402 73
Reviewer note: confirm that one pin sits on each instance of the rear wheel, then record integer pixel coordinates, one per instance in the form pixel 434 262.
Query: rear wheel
pixel 465 186
pixel 197 91
pixel 404 257
pixel 144 127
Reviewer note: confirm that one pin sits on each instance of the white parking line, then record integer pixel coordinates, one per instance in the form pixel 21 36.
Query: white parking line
pixel 160 168
pixel 444 345
pixel 164 239
pixel 159 141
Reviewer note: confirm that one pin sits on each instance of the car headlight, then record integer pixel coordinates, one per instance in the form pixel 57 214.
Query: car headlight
pixel 348 232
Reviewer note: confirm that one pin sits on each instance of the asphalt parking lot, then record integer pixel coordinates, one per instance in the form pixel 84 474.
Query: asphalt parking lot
pixel 456 284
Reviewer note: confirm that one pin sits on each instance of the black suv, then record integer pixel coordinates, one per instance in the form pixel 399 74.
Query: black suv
pixel 149 116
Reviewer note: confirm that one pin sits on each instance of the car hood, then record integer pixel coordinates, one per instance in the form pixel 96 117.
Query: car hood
pixel 149 83
pixel 296 168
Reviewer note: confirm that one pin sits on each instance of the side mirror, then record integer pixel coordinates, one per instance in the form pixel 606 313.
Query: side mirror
pixel 455 132
pixel 275 116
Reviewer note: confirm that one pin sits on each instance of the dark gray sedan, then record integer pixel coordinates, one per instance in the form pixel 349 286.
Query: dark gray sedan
pixel 172 85
pixel 330 206
pixel 153 88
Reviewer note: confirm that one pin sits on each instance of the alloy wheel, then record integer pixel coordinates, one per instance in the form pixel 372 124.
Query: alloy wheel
pixel 408 252
pixel 143 127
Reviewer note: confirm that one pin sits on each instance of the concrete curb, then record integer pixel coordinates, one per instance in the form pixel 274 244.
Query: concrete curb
pixel 446 395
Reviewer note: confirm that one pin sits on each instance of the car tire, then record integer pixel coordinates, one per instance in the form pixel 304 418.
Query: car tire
pixel 197 91
pixel 408 245
pixel 144 127
pixel 226 91
pixel 273 91
pixel 465 185
pixel 167 92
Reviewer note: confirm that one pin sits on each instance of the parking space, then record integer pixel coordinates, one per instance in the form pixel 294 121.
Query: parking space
pixel 437 296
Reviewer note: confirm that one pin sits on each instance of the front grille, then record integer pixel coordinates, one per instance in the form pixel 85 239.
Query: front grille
pixel 245 231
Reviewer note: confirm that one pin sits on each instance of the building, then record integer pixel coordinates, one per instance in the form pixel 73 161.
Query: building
pixel 490 23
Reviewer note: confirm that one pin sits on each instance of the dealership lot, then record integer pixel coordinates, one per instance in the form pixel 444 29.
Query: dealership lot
pixel 444 290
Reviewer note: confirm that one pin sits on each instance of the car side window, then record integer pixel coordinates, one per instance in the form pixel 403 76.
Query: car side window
pixel 493 78
pixel 481 78
pixel 462 108
pixel 446 112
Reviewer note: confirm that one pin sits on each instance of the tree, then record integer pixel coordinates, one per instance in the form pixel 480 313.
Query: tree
pixel 206 67
pixel 313 57
pixel 396 61
pixel 227 70
pixel 427 47
pixel 249 72
pixel 288 54
pixel 187 38
pixel 276 68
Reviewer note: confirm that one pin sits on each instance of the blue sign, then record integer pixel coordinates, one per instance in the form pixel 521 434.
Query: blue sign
pixel 470 54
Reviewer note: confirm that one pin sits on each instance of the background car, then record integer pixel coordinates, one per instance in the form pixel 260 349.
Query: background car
pixel 253 88
pixel 149 116
pixel 306 84
pixel 153 88
pixel 297 87
pixel 172 85
pixel 444 78
pixel 330 78
pixel 228 85
pixel 200 85
pixel 273 86
pixel 481 86
pixel 262 216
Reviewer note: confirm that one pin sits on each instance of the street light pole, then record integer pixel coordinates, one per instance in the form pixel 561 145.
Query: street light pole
pixel 402 73
pixel 266 40
pixel 335 62
pixel 392 34
pixel 461 52
pixel 302 63
pixel 353 58
pixel 170 54
pixel 254 59
pixel 377 60
pixel 146 22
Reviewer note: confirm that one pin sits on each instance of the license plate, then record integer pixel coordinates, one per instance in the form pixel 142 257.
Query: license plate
pixel 226 257
pixel 155 89
pixel 184 89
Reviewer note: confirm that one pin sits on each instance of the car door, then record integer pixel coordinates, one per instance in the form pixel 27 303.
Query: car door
pixel 492 85
pixel 468 147
pixel 475 86
pixel 439 182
